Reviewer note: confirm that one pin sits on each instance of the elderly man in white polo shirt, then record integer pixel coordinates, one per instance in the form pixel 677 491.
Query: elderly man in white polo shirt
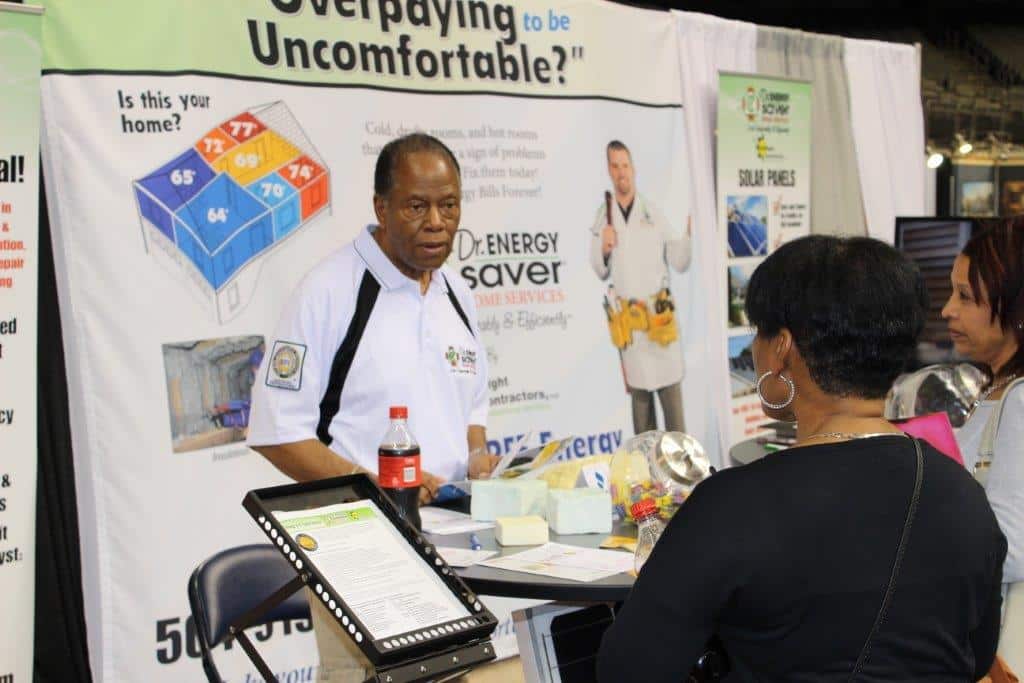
pixel 380 322
pixel 375 325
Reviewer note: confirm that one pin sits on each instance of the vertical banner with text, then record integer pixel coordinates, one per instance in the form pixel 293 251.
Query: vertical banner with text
pixel 764 193
pixel 20 60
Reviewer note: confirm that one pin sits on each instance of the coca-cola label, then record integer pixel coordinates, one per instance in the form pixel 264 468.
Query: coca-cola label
pixel 399 471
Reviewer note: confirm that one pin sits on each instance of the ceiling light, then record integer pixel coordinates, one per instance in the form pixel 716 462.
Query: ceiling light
pixel 934 160
pixel 963 145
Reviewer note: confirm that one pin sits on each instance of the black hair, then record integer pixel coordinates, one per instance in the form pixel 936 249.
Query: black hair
pixel 618 145
pixel 398 149
pixel 855 307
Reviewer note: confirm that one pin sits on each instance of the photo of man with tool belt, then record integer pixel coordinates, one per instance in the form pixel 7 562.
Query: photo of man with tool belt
pixel 632 248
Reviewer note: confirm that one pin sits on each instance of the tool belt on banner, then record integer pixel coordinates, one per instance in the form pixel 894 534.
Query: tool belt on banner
pixel 633 315
pixel 621 335
pixel 663 329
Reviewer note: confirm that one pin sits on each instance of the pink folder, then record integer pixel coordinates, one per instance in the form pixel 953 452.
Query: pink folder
pixel 936 429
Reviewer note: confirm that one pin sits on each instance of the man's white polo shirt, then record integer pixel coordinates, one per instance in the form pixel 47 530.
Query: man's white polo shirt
pixel 415 350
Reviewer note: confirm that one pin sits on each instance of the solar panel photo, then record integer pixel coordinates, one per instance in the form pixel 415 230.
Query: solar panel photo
pixel 748 225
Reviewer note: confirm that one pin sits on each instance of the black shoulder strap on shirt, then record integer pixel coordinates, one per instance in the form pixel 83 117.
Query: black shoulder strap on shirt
pixel 865 651
pixel 331 402
pixel 458 307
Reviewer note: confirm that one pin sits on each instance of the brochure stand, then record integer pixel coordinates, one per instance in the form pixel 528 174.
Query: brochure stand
pixel 393 595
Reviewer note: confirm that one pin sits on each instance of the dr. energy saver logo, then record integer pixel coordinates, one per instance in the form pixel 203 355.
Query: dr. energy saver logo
pixel 510 268
pixel 462 360
pixel 579 447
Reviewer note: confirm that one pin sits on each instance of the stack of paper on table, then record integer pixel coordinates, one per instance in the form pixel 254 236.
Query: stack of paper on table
pixel 565 562
pixel 439 521
pixel 462 557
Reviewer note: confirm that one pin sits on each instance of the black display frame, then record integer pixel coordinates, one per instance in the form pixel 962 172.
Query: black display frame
pixel 460 642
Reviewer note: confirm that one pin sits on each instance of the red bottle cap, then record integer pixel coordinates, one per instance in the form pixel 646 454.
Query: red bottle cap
pixel 643 508
pixel 399 413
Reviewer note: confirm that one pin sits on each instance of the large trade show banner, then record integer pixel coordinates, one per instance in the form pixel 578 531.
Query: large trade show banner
pixel 201 157
pixel 20 59
pixel 764 194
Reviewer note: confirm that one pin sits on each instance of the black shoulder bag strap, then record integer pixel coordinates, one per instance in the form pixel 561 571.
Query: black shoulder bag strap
pixel 865 651
pixel 457 306
pixel 369 288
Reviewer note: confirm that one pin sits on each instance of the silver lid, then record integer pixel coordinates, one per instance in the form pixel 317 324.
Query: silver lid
pixel 681 458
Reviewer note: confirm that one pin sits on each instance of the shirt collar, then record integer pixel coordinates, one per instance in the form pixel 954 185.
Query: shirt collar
pixel 640 208
pixel 378 263
pixel 639 204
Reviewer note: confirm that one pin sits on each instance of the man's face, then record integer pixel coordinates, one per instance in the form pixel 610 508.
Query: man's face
pixel 419 216
pixel 620 170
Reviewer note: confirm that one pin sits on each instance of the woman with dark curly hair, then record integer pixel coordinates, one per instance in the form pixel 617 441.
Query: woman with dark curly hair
pixel 859 551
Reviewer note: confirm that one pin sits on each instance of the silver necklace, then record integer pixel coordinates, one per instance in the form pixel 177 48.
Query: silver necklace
pixel 996 386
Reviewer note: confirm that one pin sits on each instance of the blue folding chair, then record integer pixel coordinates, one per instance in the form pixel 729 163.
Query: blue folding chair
pixel 250 585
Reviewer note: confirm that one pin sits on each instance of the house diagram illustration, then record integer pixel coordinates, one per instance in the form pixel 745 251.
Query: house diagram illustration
pixel 216 209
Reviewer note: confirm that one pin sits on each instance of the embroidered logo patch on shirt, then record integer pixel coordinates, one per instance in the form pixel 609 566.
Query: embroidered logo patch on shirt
pixel 285 368
pixel 461 359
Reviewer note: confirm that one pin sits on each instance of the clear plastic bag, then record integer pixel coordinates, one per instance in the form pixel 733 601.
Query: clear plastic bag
pixel 656 465
pixel 949 388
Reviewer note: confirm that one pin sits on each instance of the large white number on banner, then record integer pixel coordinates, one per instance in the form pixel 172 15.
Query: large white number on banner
pixel 300 171
pixel 241 129
pixel 183 177
pixel 275 190
pixel 213 145
pixel 217 215
pixel 247 160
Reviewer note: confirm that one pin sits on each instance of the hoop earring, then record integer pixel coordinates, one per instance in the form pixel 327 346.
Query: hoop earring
pixel 769 404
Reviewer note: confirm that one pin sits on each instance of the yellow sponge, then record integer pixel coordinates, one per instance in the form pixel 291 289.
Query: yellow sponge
pixel 528 530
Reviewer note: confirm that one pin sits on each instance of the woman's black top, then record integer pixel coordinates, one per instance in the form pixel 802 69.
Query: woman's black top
pixel 787 560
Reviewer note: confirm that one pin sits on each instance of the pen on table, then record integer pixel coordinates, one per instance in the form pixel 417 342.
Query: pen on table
pixel 474 542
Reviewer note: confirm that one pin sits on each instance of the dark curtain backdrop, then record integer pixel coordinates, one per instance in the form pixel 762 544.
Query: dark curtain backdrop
pixel 61 654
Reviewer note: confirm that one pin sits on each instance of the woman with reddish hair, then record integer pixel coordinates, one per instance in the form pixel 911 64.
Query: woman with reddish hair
pixel 985 314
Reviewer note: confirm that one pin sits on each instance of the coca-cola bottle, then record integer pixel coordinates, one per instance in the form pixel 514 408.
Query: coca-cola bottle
pixel 398 466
